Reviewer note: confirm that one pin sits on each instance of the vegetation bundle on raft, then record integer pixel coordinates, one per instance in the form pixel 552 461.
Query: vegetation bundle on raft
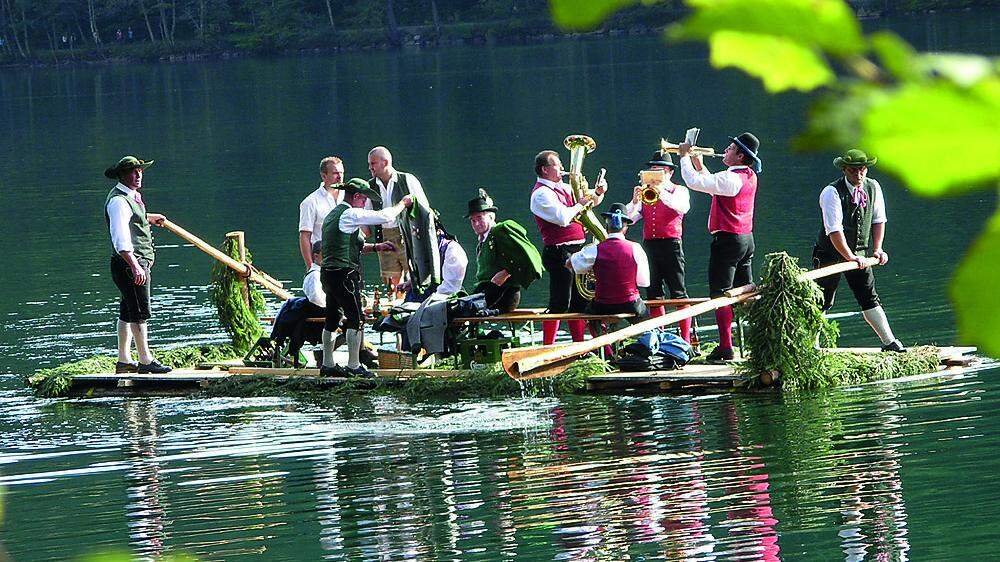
pixel 238 303
pixel 784 325
pixel 55 381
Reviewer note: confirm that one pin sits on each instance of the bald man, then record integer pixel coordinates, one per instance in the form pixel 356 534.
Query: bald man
pixel 422 261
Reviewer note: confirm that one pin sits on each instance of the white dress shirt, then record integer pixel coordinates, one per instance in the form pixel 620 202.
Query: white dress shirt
pixel 725 183
pixel 314 208
pixel 354 218
pixel 583 261
pixel 120 214
pixel 677 197
pixel 313 288
pixel 453 265
pixel 833 211
pixel 385 190
pixel 546 206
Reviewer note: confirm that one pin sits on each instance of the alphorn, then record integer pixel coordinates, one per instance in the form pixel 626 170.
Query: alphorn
pixel 550 360
pixel 244 269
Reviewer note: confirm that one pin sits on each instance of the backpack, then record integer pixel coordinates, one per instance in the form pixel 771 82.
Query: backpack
pixel 664 342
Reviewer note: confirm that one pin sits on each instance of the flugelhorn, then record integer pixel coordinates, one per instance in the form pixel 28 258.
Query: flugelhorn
pixel 651 181
pixel 667 146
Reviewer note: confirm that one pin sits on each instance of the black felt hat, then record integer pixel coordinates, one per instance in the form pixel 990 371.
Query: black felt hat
pixel 618 208
pixel 749 145
pixel 662 159
pixel 481 204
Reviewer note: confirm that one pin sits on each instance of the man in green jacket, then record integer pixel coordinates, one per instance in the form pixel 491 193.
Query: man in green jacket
pixel 506 260
pixel 854 220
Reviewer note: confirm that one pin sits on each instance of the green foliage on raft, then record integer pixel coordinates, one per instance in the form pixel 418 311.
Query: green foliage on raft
pixel 240 320
pixel 782 329
pixel 55 381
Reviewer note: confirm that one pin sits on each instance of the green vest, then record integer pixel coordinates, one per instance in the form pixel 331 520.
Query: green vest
pixel 857 220
pixel 399 191
pixel 138 226
pixel 508 247
pixel 340 250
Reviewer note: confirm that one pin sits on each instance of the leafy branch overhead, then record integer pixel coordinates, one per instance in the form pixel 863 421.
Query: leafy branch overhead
pixel 874 91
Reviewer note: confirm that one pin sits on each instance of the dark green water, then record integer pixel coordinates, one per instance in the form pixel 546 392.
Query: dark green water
pixel 879 472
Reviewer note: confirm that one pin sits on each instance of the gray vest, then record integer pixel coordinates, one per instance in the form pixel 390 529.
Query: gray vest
pixel 138 226
pixel 857 220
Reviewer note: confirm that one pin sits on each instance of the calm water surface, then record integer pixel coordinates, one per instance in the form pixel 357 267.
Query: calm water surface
pixel 877 472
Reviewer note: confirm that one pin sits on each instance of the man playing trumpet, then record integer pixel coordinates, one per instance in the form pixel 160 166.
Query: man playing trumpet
pixel 661 204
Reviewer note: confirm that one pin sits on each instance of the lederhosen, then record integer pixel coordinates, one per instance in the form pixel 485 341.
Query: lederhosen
pixel 341 273
pixel 857 223
pixel 563 293
pixel 730 220
pixel 134 304
pixel 661 238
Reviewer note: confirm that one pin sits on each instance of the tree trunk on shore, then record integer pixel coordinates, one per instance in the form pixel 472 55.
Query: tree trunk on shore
pixel 201 19
pixel 329 13
pixel 92 18
pixel 9 15
pixel 145 17
pixel 437 19
pixel 390 20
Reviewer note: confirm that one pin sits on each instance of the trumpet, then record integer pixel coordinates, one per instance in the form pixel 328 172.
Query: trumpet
pixel 667 146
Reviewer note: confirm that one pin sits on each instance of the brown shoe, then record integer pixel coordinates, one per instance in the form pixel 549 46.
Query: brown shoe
pixel 123 368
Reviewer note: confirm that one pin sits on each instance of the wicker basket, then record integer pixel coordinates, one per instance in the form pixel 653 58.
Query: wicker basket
pixel 390 359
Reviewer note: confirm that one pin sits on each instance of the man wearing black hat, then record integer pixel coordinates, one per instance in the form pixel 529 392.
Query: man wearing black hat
pixel 853 222
pixel 620 267
pixel 661 234
pixel 506 260
pixel 730 220
pixel 343 243
pixel 131 262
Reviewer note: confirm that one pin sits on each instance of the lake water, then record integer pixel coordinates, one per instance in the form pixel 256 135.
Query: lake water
pixel 887 471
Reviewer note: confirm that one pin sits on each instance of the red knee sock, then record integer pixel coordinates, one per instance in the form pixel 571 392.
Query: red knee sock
pixel 655 311
pixel 686 329
pixel 549 330
pixel 724 318
pixel 576 328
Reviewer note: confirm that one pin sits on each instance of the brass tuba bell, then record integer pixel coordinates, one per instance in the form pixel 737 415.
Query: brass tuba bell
pixel 579 146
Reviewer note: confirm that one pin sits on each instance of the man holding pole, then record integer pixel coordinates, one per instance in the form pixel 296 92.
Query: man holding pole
pixel 343 243
pixel 131 262
pixel 314 208
pixel 854 220
pixel 730 220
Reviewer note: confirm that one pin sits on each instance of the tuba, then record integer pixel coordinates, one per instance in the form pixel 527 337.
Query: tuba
pixel 579 146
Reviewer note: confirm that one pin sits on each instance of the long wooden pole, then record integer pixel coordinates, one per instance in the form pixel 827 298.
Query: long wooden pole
pixel 243 269
pixel 547 361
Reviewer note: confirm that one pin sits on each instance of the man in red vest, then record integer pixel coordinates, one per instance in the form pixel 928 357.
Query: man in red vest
pixel 555 207
pixel 661 235
pixel 620 267
pixel 730 220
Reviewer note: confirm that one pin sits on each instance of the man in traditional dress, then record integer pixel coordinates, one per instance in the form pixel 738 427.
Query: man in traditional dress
pixel 131 262
pixel 343 243
pixel 413 252
pixel 661 235
pixel 730 220
pixel 853 209
pixel 314 208
pixel 555 206
pixel 620 267
pixel 506 260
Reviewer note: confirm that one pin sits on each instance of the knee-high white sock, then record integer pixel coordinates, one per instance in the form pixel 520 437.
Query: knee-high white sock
pixel 328 348
pixel 141 335
pixel 124 342
pixel 877 320
pixel 353 349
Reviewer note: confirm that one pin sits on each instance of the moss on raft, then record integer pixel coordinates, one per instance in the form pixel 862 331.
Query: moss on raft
pixel 55 381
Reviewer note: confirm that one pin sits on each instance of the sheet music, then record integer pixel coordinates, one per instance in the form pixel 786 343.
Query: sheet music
pixel 691 137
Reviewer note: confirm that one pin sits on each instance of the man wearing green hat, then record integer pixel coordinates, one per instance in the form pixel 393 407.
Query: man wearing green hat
pixel 343 243
pixel 506 260
pixel 131 262
pixel 854 220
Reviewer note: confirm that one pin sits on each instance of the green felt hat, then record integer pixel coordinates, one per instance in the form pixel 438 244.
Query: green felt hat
pixel 854 158
pixel 358 185
pixel 125 164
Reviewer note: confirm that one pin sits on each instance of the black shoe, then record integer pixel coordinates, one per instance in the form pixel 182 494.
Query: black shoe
pixel 121 368
pixel 335 371
pixel 361 372
pixel 154 368
pixel 720 355
pixel 894 345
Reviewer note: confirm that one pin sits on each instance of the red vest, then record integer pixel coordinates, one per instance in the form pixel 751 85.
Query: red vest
pixel 735 214
pixel 660 221
pixel 553 234
pixel 615 270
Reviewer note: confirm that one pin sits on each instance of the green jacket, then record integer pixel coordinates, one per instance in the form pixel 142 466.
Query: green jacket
pixel 507 247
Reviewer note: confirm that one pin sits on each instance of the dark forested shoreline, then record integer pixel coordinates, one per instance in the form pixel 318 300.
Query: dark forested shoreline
pixel 53 32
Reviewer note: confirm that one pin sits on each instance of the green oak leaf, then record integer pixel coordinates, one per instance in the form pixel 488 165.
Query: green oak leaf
pixel 826 25
pixel 584 15
pixel 781 64
pixel 897 56
pixel 959 124
pixel 973 292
